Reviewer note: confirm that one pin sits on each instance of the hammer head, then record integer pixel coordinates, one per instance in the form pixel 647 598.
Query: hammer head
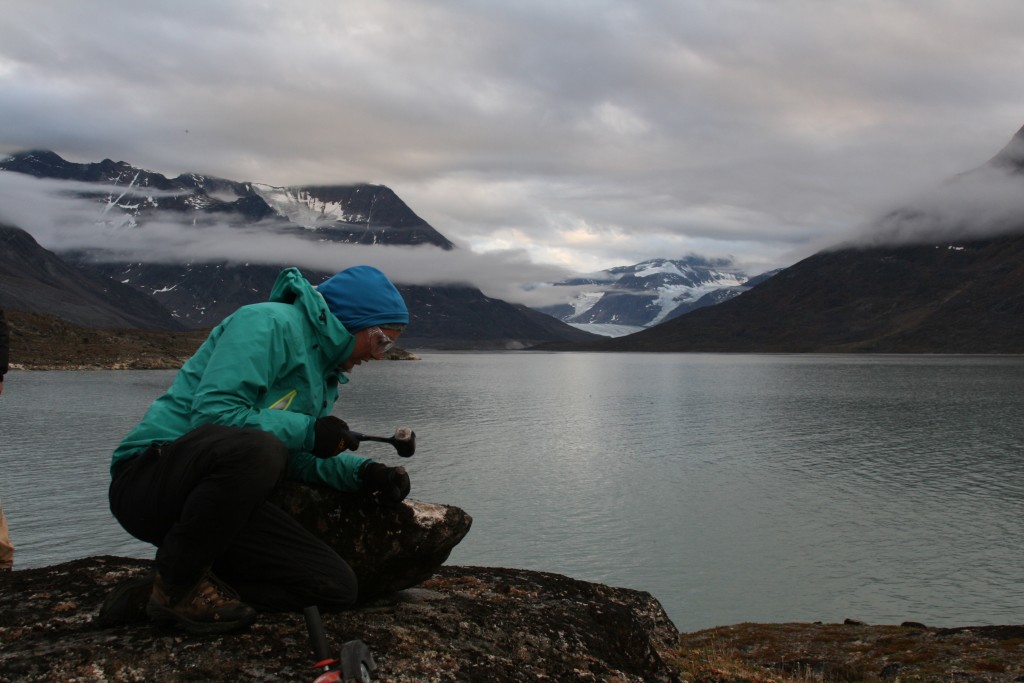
pixel 404 442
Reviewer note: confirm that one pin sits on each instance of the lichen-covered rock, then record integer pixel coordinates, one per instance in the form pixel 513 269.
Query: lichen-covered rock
pixel 464 624
pixel 390 547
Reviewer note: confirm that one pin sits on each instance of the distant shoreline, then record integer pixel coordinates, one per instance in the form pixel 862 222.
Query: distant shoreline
pixel 44 343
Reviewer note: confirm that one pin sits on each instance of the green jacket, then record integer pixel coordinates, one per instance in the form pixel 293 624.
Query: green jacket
pixel 271 366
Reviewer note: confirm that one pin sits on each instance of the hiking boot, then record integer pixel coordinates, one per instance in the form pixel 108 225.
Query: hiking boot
pixel 209 606
pixel 126 604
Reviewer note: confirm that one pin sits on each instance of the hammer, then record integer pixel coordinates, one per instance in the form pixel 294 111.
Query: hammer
pixel 404 441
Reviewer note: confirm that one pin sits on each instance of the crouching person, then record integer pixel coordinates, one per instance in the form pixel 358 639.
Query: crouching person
pixel 252 407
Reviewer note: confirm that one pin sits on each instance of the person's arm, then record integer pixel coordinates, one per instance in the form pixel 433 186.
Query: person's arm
pixel 341 472
pixel 351 473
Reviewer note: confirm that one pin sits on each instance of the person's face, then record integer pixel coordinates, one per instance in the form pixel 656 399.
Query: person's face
pixel 371 344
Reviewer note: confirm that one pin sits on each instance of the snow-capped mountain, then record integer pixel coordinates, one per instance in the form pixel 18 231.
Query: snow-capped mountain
pixel 355 214
pixel 626 299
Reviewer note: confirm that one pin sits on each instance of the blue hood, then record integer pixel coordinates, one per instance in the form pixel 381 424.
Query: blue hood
pixel 362 296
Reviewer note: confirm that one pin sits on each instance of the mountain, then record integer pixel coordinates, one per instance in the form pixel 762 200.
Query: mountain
pixel 628 298
pixel 463 317
pixel 353 214
pixel 35 280
pixel 896 293
pixel 199 295
pixel 954 298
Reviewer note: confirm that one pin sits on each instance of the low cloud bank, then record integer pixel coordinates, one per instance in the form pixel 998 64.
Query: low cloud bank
pixel 61 220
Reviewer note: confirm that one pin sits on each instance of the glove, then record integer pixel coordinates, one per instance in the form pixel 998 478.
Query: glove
pixel 331 436
pixel 392 483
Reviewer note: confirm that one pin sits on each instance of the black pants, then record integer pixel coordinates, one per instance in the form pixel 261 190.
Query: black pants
pixel 201 500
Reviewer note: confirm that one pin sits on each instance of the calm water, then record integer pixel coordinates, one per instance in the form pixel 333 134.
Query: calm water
pixel 732 487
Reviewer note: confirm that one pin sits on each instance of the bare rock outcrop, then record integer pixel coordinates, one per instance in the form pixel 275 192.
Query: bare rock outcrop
pixel 462 624
pixel 422 621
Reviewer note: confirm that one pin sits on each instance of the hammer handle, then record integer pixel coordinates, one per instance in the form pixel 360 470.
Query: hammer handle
pixel 367 437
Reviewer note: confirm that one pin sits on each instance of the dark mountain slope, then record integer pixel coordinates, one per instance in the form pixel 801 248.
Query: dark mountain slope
pixel 35 280
pixel 201 295
pixel 465 318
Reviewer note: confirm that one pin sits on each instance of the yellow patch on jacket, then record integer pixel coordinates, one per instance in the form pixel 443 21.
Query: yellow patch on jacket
pixel 284 402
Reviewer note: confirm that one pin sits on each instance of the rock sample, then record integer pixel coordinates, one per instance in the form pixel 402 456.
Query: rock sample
pixel 463 624
pixel 390 547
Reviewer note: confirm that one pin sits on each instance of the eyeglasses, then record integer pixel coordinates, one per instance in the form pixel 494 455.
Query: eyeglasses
pixel 380 342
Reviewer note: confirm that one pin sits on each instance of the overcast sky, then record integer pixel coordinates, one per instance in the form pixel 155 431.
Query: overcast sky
pixel 575 134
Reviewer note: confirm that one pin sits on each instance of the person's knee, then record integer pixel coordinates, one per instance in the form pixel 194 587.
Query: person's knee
pixel 333 593
pixel 336 588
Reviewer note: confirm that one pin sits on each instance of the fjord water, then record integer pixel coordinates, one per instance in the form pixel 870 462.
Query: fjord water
pixel 732 487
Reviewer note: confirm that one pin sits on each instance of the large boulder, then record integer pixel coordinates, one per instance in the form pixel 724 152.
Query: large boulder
pixel 390 547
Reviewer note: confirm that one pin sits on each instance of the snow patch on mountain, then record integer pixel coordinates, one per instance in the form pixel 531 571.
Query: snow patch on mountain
pixel 302 208
pixel 643 294
pixel 669 297
pixel 585 301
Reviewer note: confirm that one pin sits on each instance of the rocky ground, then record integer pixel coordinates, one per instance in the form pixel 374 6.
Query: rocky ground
pixel 464 624
pixel 41 342
pixel 851 651
pixel 476 624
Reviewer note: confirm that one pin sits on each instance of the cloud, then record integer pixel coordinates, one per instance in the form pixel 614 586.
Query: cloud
pixel 586 135
pixel 61 219
pixel 983 203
